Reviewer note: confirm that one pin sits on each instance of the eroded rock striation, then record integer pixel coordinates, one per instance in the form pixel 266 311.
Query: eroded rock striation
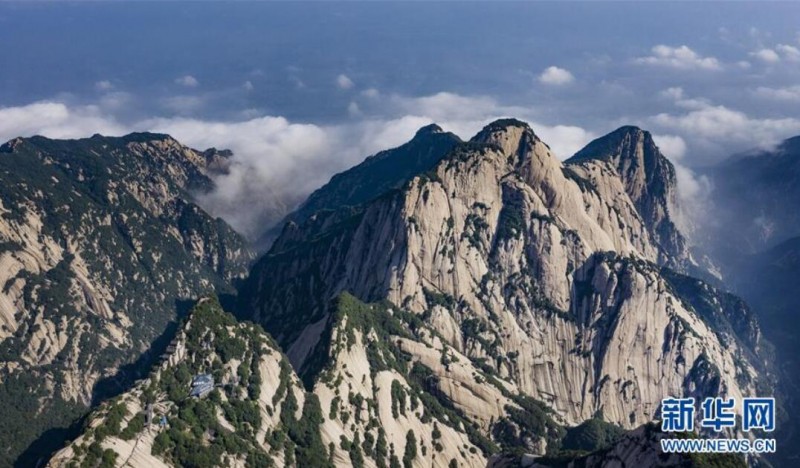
pixel 549 273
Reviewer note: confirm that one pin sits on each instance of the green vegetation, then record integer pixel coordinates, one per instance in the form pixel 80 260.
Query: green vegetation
pixel 354 450
pixel 529 420
pixel 384 319
pixel 705 375
pixel 90 191
pixel 410 452
pixel 381 449
pixel 712 460
pixel 98 457
pixel 194 436
pixel 111 425
pixel 511 224
pixel 591 435
pixel 475 230
pixel 134 427
pixel 398 399
pixel 437 406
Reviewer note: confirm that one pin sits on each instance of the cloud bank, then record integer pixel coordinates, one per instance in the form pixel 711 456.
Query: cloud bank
pixel 556 76
pixel 277 161
pixel 682 58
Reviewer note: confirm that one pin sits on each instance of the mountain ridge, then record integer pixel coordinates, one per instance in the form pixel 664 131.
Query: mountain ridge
pixel 503 235
pixel 101 241
pixel 489 304
pixel 378 173
pixel 650 181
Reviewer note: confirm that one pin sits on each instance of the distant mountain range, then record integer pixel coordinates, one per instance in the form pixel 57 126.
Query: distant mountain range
pixel 750 195
pixel 443 303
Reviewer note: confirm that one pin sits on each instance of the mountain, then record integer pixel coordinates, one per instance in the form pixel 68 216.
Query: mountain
pixel 378 174
pixel 640 447
pixel 498 308
pixel 368 408
pixel 751 198
pixel 752 232
pixel 101 244
pixel 777 270
pixel 390 392
pixel 768 280
pixel 649 180
pixel 554 277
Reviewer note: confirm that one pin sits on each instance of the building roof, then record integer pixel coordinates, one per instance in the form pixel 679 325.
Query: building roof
pixel 203 379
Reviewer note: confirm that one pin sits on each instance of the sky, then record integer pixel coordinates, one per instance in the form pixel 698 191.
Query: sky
pixel 302 90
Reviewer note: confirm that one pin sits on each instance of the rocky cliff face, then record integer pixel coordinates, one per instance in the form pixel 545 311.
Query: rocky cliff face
pixel 386 389
pixel 650 182
pixel 497 307
pixel 546 273
pixel 378 174
pixel 99 241
pixel 368 407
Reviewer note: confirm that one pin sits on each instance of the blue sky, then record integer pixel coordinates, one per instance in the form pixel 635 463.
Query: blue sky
pixel 302 90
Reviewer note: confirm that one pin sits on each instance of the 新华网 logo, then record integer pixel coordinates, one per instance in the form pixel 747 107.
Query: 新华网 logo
pixel 678 415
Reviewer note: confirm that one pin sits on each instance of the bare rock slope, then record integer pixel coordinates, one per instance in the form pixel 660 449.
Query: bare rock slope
pixel 99 241
pixel 364 410
pixel 549 274
pixel 499 307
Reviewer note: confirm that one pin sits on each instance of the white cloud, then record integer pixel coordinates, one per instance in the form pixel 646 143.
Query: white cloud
pixel 694 190
pixel 115 100
pixel 790 93
pixel 103 85
pixel 248 85
pixel 564 140
pixel 789 52
pixel 183 104
pixel 692 103
pixel 371 93
pixel 466 115
pixel 680 99
pixel 556 76
pixel 444 106
pixel 766 55
pixel 682 58
pixel 674 93
pixel 55 120
pixel 672 146
pixel 187 80
pixel 353 109
pixel 777 54
pixel 718 131
pixel 344 82
pixel 298 83
pixel 276 162
pixel 694 195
